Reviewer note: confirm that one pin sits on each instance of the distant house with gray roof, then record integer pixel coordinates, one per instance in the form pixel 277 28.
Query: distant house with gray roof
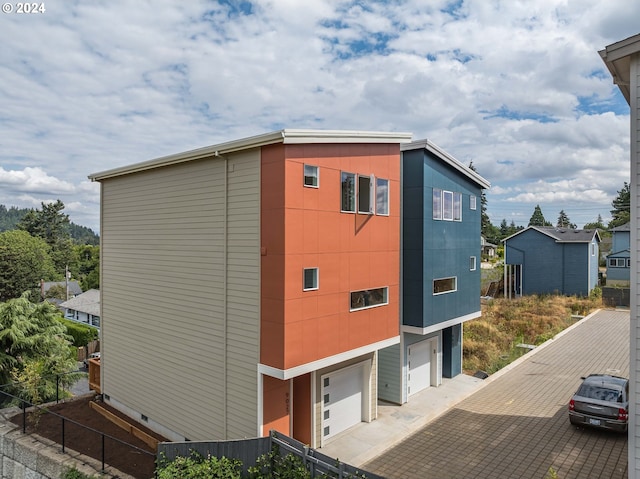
pixel 550 260
pixel 84 308
pixel 619 260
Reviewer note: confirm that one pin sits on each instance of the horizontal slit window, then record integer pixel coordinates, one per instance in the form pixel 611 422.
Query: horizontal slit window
pixel 369 298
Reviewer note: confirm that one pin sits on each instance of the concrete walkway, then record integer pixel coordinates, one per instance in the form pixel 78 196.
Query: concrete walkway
pixel 365 442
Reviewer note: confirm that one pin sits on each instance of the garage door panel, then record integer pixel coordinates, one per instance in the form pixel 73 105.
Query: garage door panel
pixel 342 393
pixel 419 366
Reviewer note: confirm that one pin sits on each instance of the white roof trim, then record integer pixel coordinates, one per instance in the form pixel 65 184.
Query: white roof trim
pixel 282 136
pixel 284 374
pixel 447 158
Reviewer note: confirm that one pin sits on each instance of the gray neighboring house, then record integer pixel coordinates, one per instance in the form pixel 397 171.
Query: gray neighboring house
pixel 84 308
pixel 73 289
pixel 623 61
pixel 619 260
pixel 550 260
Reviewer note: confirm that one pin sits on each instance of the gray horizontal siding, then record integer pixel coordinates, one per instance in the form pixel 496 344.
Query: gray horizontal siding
pixel 164 301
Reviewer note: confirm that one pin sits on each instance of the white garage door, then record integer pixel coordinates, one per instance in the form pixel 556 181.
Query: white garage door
pixel 342 396
pixel 419 359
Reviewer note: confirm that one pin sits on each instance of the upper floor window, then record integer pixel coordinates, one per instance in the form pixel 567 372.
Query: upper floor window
pixel 447 205
pixel 311 176
pixel 472 202
pixel 593 249
pixel 369 298
pixel 363 193
pixel 310 279
pixel 472 263
pixel 348 192
pixel 445 285
pixel 382 196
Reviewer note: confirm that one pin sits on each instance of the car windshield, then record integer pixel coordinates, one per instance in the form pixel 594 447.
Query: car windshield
pixel 601 393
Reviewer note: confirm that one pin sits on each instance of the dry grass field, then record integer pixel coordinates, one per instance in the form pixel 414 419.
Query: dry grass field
pixel 490 342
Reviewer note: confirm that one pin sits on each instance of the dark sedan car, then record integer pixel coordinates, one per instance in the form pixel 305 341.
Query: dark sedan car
pixel 601 401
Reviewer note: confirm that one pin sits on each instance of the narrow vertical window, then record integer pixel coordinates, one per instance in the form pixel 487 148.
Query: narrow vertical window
pixel 311 176
pixel 472 202
pixel 348 192
pixel 472 263
pixel 457 207
pixel 365 194
pixel 437 204
pixel 382 196
pixel 447 205
pixel 310 279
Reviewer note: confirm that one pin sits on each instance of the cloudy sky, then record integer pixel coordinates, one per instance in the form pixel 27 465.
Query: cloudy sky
pixel 516 87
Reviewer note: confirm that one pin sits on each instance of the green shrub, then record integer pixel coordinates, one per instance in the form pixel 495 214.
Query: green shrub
pixel 81 334
pixel 196 466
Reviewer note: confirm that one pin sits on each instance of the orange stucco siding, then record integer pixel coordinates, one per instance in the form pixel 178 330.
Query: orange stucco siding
pixel 351 251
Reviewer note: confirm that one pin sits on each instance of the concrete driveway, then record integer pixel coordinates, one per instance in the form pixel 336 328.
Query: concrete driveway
pixel 517 425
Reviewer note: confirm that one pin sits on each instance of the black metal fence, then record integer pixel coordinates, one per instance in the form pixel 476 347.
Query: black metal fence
pixel 614 297
pixel 66 424
pixel 249 450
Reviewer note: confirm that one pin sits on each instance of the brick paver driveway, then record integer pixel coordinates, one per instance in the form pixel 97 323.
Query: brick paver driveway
pixel 517 426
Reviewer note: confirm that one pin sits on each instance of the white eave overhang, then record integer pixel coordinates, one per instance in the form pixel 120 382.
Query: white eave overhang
pixel 285 136
pixel 617 58
pixel 447 158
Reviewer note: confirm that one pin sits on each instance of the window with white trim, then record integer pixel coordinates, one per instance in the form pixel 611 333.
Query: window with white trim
pixel 382 196
pixel 348 192
pixel 447 205
pixel 628 262
pixel 310 279
pixel 457 206
pixel 445 285
pixel 472 263
pixel 472 202
pixel 619 262
pixel 311 176
pixel 365 194
pixel 437 204
pixel 369 298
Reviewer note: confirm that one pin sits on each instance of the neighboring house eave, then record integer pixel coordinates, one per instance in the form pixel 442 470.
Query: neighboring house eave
pixel 285 136
pixel 625 252
pixel 617 58
pixel 448 159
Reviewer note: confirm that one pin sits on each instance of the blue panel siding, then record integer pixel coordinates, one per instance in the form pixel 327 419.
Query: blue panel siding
pixel 452 351
pixel 434 249
pixel 550 267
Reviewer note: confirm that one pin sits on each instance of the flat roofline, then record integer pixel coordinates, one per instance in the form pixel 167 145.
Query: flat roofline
pixel 447 158
pixel 285 136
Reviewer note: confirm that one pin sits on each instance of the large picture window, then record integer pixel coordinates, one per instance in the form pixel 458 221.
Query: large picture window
pixel 444 285
pixel 369 298
pixel 348 192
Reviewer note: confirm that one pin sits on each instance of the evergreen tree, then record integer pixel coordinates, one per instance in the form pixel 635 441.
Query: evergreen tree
pixel 621 212
pixel 24 261
pixel 564 221
pixel 597 225
pixel 52 225
pixel 537 218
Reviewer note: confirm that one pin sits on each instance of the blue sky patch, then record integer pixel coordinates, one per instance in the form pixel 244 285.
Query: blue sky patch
pixel 504 112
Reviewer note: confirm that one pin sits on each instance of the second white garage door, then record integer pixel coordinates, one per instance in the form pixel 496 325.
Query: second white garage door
pixel 342 399
pixel 420 357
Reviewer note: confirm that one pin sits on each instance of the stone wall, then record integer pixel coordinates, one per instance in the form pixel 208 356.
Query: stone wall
pixel 28 456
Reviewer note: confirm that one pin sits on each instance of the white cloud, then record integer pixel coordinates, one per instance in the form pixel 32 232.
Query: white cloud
pixel 516 87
